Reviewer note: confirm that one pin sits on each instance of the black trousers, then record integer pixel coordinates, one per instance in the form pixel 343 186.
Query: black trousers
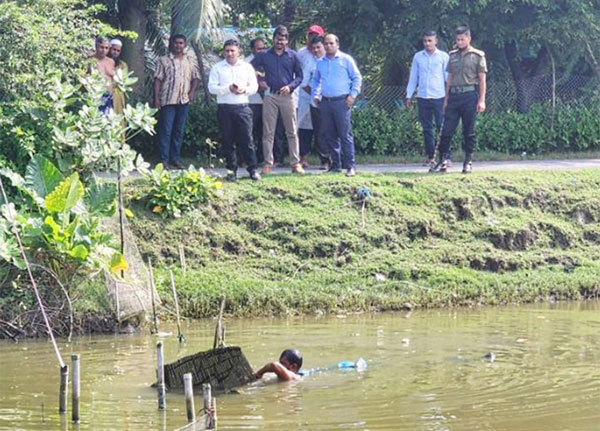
pixel 306 137
pixel 257 130
pixel 235 122
pixel 461 107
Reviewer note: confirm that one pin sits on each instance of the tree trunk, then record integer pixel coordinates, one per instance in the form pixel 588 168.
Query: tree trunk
pixel 528 89
pixel 202 72
pixel 177 17
pixel 289 13
pixel 133 17
pixel 592 61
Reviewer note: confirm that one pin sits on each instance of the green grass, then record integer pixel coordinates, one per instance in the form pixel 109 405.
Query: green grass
pixel 289 245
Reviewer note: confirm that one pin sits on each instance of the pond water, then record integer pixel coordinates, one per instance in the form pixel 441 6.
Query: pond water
pixel 426 371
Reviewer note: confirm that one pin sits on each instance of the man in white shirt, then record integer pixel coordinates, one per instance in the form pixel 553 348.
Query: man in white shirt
pixel 309 118
pixel 233 80
pixel 428 77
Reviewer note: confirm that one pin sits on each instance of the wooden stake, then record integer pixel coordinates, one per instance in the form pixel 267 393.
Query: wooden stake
pixel 154 318
pixel 218 329
pixel 180 336
pixel 182 258
pixel 160 373
pixel 76 388
pixel 207 399
pixel 64 384
pixel 188 388
pixel 213 424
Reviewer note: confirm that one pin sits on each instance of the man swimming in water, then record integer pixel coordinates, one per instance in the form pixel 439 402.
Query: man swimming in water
pixel 287 368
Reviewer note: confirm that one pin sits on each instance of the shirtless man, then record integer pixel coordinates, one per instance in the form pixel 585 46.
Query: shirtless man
pixel 106 66
pixel 286 369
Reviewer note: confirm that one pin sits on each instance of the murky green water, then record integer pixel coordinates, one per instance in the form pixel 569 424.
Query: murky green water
pixel 426 372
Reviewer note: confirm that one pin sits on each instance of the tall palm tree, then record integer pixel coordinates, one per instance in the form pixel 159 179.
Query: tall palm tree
pixel 197 20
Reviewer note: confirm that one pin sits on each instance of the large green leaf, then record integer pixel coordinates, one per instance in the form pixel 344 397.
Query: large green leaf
pixel 42 176
pixel 66 195
pixel 79 252
pixel 100 199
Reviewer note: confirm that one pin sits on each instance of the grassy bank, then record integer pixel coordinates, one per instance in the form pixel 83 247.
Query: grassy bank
pixel 297 245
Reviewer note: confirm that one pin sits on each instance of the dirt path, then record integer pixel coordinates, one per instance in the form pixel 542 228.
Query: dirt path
pixel 513 165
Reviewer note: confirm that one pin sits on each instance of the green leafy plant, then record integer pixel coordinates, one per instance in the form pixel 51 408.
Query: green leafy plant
pixel 59 220
pixel 37 36
pixel 172 195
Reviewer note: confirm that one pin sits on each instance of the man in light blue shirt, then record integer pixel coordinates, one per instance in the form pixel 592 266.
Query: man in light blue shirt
pixel 428 77
pixel 335 85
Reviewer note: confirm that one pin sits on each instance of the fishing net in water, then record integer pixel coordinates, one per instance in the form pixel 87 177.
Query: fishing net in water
pixel 225 368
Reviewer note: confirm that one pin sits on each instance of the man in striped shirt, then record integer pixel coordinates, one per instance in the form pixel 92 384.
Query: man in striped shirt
pixel 175 83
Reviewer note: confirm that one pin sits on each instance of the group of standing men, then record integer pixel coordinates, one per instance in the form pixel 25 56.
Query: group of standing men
pixel 107 60
pixel 312 91
pixel 450 88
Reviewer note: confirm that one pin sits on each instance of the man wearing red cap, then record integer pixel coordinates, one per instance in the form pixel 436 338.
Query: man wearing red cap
pixel 309 117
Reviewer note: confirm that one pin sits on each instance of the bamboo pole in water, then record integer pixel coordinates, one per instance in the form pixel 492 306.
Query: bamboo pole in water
pixel 76 389
pixel 180 336
pixel 218 329
pixel 154 318
pixel 64 383
pixel 188 388
pixel 214 414
pixel 207 399
pixel 160 373
pixel 36 291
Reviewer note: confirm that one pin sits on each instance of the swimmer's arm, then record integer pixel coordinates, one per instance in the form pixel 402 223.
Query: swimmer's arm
pixel 276 367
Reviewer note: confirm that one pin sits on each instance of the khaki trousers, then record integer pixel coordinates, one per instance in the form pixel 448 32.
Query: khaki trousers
pixel 273 105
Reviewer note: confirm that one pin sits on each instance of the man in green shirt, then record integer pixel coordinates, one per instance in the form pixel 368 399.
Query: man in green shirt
pixel 465 97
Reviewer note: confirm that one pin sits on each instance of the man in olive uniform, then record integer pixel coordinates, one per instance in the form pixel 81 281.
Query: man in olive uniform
pixel 465 97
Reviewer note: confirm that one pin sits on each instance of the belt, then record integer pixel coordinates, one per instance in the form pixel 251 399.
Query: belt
pixel 334 99
pixel 459 89
pixel 234 105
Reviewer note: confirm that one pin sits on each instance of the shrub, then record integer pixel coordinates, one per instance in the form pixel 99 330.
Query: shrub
pixel 575 128
pixel 35 37
pixel 380 132
pixel 182 192
pixel 201 125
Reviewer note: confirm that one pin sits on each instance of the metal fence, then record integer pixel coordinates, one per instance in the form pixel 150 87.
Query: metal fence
pixel 502 94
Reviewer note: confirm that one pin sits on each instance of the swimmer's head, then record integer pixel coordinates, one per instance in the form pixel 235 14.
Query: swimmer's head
pixel 291 359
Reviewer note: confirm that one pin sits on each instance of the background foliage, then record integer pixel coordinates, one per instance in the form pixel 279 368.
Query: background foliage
pixel 37 37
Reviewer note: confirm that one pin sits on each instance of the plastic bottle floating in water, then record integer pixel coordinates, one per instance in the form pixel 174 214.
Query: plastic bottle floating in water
pixel 360 364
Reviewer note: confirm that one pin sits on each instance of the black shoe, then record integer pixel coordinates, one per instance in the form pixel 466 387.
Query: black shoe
pixel 333 170
pixel 441 166
pixel 254 176
pixel 467 167
pixel 176 165
pixel 231 176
